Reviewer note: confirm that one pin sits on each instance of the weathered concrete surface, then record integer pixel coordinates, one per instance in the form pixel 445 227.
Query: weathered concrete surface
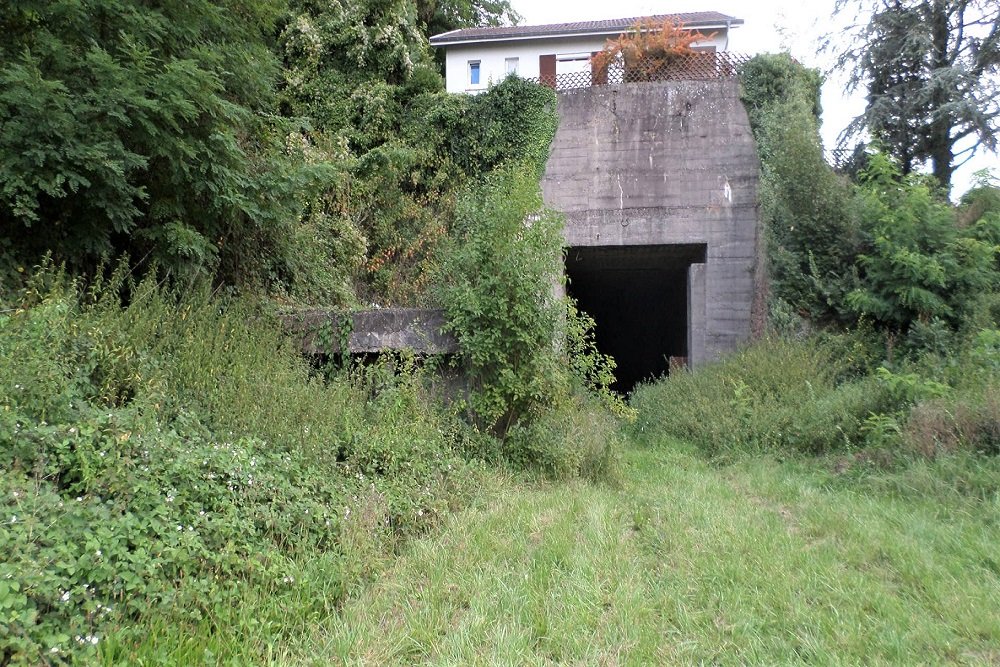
pixel 417 329
pixel 696 312
pixel 666 163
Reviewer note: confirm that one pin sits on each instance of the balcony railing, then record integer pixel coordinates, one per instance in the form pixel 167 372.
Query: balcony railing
pixel 690 67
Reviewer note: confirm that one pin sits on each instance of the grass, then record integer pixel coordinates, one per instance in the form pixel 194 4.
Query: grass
pixel 757 562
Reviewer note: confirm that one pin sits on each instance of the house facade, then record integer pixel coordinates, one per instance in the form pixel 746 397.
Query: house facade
pixel 477 57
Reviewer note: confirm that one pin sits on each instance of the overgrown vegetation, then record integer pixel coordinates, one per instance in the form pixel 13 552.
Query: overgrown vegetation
pixel 402 148
pixel 883 308
pixel 298 149
pixel 168 459
pixel 811 230
pixel 166 455
pixel 147 129
pixel 165 450
pixel 165 458
pixel 887 250
pixel 159 458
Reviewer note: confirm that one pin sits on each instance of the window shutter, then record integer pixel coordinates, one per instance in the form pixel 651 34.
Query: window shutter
pixel 547 70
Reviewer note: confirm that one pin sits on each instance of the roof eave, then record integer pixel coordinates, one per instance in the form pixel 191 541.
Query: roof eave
pixel 442 40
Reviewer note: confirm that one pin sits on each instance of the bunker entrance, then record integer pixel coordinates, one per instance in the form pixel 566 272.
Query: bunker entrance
pixel 638 296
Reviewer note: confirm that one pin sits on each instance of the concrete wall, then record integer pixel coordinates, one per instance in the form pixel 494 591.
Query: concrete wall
pixel 492 58
pixel 420 330
pixel 666 163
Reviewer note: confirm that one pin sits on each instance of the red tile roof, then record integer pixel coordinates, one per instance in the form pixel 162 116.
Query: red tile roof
pixel 608 26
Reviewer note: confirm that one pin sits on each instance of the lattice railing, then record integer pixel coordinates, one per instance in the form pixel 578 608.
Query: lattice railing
pixel 690 67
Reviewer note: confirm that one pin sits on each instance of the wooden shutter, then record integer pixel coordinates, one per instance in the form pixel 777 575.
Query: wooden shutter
pixel 547 70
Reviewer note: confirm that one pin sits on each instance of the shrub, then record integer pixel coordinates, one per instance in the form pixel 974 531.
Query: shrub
pixel 770 79
pixel 498 287
pixel 142 128
pixel 810 222
pixel 920 266
pixel 514 121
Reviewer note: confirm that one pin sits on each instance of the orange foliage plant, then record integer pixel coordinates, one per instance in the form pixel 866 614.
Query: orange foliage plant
pixel 648 48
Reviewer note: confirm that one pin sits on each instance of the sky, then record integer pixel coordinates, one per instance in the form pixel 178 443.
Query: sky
pixel 796 26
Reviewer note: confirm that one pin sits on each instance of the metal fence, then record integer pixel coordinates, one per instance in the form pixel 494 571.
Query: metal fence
pixel 690 67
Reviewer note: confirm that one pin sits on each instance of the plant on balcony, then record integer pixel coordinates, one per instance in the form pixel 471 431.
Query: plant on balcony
pixel 648 50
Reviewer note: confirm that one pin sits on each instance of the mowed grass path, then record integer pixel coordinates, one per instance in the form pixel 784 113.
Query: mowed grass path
pixel 758 562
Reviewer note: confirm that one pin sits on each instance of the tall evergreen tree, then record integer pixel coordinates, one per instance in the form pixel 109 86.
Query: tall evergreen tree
pixel 932 71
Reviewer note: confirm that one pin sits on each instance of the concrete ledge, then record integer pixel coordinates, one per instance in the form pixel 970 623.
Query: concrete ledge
pixel 419 330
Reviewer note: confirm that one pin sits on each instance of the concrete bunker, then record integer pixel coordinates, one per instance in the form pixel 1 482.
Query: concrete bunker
pixel 645 300
pixel 657 182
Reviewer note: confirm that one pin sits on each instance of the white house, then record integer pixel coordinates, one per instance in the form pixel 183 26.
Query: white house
pixel 475 57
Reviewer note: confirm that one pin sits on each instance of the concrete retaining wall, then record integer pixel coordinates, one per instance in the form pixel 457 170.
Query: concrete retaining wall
pixel 417 329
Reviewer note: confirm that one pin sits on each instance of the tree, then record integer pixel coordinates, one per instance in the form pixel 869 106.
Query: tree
pixel 932 70
pixel 437 16
pixel 139 127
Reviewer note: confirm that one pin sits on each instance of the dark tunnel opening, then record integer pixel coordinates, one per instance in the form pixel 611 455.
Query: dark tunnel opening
pixel 638 296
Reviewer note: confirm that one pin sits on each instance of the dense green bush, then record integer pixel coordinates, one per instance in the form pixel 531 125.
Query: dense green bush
pixel 373 106
pixel 515 120
pixel 146 128
pixel 157 457
pixel 887 253
pixel 920 265
pixel 771 79
pixel 526 350
pixel 300 148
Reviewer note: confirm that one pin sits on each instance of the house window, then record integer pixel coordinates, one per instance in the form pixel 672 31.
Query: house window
pixel 474 72
pixel 571 63
pixel 511 65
